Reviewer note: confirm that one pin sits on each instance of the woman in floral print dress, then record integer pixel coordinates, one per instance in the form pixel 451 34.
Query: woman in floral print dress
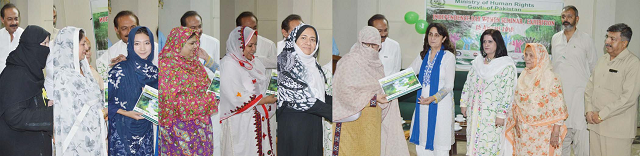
pixel 185 105
pixel 487 95
pixel 536 123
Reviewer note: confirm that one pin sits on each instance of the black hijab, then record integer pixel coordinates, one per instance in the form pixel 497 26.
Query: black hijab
pixel 23 77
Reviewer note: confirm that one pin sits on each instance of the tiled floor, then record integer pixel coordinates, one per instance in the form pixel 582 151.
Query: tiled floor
pixel 462 149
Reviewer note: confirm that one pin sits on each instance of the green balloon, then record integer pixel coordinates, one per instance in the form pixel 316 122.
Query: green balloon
pixel 411 17
pixel 421 26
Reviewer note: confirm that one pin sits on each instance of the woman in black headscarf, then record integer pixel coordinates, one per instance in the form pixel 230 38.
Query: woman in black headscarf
pixel 25 118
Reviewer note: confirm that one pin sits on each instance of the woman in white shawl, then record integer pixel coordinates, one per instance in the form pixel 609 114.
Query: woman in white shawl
pixel 79 126
pixel 487 96
pixel 245 108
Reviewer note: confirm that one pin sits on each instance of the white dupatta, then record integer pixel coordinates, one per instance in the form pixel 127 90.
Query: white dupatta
pixel 79 126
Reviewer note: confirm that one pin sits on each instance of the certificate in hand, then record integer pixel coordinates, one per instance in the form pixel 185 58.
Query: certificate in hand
pixel 399 84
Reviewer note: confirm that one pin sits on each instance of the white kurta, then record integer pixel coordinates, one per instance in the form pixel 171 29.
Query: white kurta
pixel 280 46
pixel 444 129
pixel 212 46
pixel 7 45
pixel 241 130
pixel 267 53
pixel 573 61
pixel 488 94
pixel 121 48
pixel 390 55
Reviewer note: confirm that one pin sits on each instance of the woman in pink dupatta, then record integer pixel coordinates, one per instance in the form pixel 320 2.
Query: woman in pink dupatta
pixel 185 105
pixel 536 124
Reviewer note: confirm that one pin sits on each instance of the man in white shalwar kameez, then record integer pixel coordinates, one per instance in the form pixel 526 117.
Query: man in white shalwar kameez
pixel 10 34
pixel 573 59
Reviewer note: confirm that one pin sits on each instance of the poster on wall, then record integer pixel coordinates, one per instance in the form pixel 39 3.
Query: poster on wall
pixel 100 15
pixel 519 21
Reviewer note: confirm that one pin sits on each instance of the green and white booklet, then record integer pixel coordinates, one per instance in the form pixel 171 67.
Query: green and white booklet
pixel 399 84
pixel 148 104
pixel 214 86
pixel 272 89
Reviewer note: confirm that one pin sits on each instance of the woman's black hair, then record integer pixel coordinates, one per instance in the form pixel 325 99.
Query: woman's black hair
pixel 501 48
pixel 81 35
pixel 442 30
pixel 142 31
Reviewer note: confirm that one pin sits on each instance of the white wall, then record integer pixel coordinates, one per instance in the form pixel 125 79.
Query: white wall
pixel 393 10
pixel 34 12
pixel 270 14
pixel 627 12
pixel 169 15
pixel 80 16
pixel 351 15
pixel 146 10
pixel 597 15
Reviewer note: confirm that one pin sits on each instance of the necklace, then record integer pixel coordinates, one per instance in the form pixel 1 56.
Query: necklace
pixel 487 59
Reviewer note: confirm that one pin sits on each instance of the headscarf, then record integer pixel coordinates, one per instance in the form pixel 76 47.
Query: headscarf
pixel 300 79
pixel 23 78
pixel 357 75
pixel 72 90
pixel 126 80
pixel 239 97
pixel 65 69
pixel 538 98
pixel 64 62
pixel 184 81
pixel 238 39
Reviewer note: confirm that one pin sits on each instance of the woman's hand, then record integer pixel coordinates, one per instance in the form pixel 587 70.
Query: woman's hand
pixel 203 54
pixel 131 114
pixel 382 99
pixel 117 60
pixel 464 111
pixel 554 141
pixel 426 101
pixel 499 121
pixel 50 103
pixel 268 100
pixel 105 114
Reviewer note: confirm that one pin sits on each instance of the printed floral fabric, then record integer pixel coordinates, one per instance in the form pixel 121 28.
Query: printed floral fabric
pixel 537 107
pixel 184 82
pixel 72 87
pixel 187 138
pixel 128 136
pixel 485 100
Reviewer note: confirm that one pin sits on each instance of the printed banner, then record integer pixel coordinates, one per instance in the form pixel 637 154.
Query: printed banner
pixel 100 17
pixel 520 21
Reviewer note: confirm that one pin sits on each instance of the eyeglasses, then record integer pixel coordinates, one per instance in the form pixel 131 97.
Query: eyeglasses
pixel 374 46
